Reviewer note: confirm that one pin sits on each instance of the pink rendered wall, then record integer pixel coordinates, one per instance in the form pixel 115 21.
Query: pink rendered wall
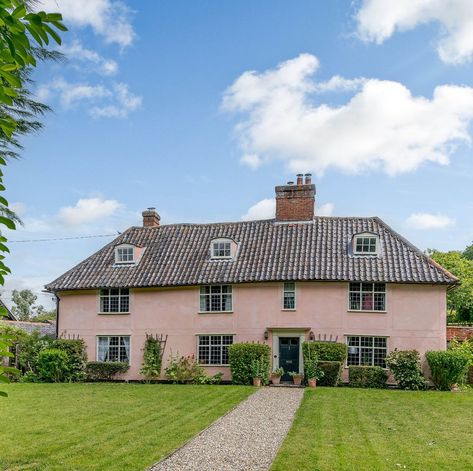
pixel 415 317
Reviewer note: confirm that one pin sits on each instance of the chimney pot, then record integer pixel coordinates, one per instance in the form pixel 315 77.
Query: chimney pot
pixel 308 178
pixel 299 178
pixel 151 218
pixel 290 183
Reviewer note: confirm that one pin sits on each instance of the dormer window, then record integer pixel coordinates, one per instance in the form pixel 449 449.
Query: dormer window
pixel 222 249
pixel 125 254
pixel 365 244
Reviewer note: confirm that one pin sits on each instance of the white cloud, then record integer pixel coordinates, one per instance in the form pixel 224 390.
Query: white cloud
pixel 114 102
pixel 75 51
pixel 264 209
pixel 108 18
pixel 380 19
pixel 325 209
pixel 87 210
pixel 381 126
pixel 125 102
pixel 426 221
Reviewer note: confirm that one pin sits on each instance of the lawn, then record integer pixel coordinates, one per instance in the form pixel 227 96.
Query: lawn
pixel 369 430
pixel 104 426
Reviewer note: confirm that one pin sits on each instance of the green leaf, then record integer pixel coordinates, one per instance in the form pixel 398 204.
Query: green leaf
pixel 19 12
pixel 7 222
pixel 3 394
pixel 35 35
pixel 10 78
pixel 54 17
pixel 9 67
pixel 60 26
pixel 53 34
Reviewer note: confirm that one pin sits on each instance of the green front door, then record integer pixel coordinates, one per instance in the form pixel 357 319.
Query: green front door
pixel 289 356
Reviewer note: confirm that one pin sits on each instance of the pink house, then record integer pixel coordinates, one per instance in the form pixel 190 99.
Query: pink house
pixel 279 281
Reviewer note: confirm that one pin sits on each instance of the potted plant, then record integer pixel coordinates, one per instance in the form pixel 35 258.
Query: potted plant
pixel 258 371
pixel 276 375
pixel 313 373
pixel 296 377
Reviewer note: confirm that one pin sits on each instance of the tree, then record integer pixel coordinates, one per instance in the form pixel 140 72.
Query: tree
pixel 24 307
pixel 42 315
pixel 468 252
pixel 459 299
pixel 24 34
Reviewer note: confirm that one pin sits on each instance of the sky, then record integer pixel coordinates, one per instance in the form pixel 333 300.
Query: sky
pixel 200 108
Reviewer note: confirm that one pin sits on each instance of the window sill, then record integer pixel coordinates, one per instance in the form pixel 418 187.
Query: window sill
pixel 367 311
pixel 290 310
pixel 215 312
pixel 113 313
pixel 206 365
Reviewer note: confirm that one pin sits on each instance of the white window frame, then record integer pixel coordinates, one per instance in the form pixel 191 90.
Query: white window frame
pixel 366 235
pixel 210 294
pixel 209 345
pixel 109 336
pixel 127 247
pixel 373 291
pixel 373 348
pixel 293 291
pixel 231 248
pixel 120 295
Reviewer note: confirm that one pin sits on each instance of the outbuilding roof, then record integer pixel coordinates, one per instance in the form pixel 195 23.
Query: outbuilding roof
pixel 268 250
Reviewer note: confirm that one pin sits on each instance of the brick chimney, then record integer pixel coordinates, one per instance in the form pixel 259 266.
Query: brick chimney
pixel 296 202
pixel 150 218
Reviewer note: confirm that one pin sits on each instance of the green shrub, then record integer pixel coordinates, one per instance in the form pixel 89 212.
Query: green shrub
pixel 152 358
pixel 405 366
pixel 183 369
pixel 53 365
pixel 327 351
pixel 105 370
pixel 76 355
pixel 29 349
pixel 448 367
pixel 470 375
pixel 367 377
pixel 241 356
pixel 332 372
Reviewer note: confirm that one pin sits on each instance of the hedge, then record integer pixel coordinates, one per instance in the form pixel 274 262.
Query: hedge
pixel 105 370
pixel 327 351
pixel 448 367
pixel 53 365
pixel 367 377
pixel 241 357
pixel 470 375
pixel 332 371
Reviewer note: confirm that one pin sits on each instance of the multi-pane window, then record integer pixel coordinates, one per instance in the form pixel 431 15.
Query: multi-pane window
pixel 115 300
pixel 221 249
pixel 289 295
pixel 213 349
pixel 365 245
pixel 367 297
pixel 367 351
pixel 216 298
pixel 113 348
pixel 125 254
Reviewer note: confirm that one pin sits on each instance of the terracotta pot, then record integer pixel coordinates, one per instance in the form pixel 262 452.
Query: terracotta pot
pixel 297 380
pixel 312 382
pixel 275 379
pixel 257 382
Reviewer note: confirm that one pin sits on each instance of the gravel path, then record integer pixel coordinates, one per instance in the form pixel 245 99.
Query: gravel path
pixel 247 438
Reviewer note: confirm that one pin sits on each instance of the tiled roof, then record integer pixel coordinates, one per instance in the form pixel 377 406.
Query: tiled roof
pixel 178 255
pixel 44 328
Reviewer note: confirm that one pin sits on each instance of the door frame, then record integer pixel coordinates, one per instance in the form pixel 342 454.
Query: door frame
pixel 277 333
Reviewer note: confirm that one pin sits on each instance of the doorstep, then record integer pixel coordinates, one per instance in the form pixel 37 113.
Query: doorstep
pixel 286 385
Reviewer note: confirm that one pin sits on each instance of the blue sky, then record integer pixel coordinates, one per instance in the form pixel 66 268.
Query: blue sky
pixel 158 106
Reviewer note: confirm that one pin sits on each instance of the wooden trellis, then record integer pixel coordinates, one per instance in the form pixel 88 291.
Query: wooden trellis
pixel 333 339
pixel 162 339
